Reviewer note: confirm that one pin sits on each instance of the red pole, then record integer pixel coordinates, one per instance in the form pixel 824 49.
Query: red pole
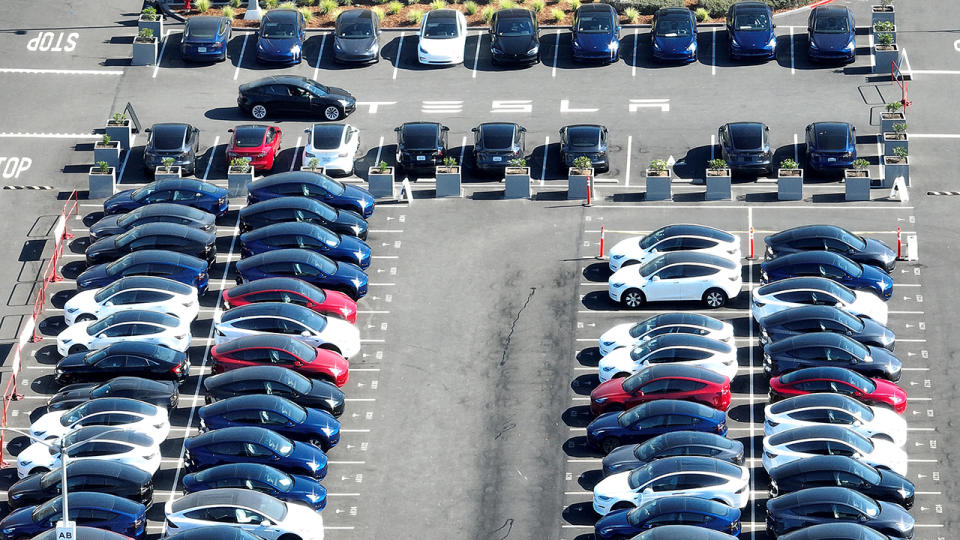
pixel 601 242
pixel 899 239
pixel 751 243
pixel 589 189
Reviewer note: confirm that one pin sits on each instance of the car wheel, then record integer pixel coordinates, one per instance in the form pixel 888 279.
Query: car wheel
pixel 259 111
pixel 332 112
pixel 321 444
pixel 622 505
pixel 331 347
pixel 609 444
pixel 621 375
pixel 714 298
pixel 83 317
pixel 77 349
pixel 633 299
pixel 289 537
pixel 39 470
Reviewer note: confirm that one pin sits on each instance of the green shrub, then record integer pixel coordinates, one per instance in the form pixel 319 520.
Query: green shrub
pixel 236 3
pixel 633 16
pixel 378 10
pixel 307 2
pixel 105 140
pixel 287 5
pixel 658 165
pixel 394 7
pixel 470 7
pixel 575 5
pixel 557 14
pixel 900 127
pixel 582 162
pixel 901 152
pixel 883 26
pixel 518 162
pixel 487 14
pixel 167 163
pixel 644 7
pixel 507 4
pixel 307 13
pixel 145 33
pixel 885 38
pixel 202 5
pixel 860 164
pixel 538 5
pixel 240 163
pixel 415 16
pixel 335 12
pixel 701 14
pixel 449 161
pixel 382 167
pixel 894 106
pixel 228 12
pixel 149 13
pixel 327 6
pixel 270 4
pixel 438 4
pixel 715 164
pixel 789 164
pixel 381 1
pixel 104 167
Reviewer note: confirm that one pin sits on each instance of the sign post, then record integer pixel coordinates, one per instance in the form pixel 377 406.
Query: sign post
pixel 67 530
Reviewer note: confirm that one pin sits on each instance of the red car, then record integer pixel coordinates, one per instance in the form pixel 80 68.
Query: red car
pixel 292 291
pixel 839 381
pixel 280 350
pixel 256 143
pixel 663 381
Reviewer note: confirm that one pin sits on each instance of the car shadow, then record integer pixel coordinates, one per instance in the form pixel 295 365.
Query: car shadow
pixel 577 416
pixel 641 52
pixel 693 164
pixel 60 298
pixel 554 169
pixel 47 355
pixel 597 272
pixel 577 447
pixel 52 326
pixel 589 479
pixel 404 55
pixel 227 113
pixel 589 357
pixel 584 384
pixel 580 513
pixel 741 413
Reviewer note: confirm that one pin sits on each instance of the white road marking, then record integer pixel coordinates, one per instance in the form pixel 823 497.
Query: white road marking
pixel 396 64
pixel 796 148
pixel 633 71
pixel 934 72
pixel 476 55
pixel 236 72
pixel 22 135
pixel 163 48
pixel 912 135
pixel 629 142
pixel 713 54
pixel 556 52
pixel 778 208
pixel 316 69
pixel 296 153
pixel 793 66
pixel 61 71
pixel 206 173
pixel 546 151
pixel 463 148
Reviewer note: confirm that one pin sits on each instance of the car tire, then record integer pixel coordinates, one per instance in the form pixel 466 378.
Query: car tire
pixel 258 111
pixel 321 444
pixel 332 112
pixel 609 444
pixel 331 347
pixel 83 317
pixel 289 537
pixel 622 505
pixel 714 298
pixel 633 299
pixel 38 470
pixel 76 349
pixel 621 375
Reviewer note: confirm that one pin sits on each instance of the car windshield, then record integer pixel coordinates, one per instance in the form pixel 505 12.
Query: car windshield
pixel 108 291
pixel 357 30
pixel 864 504
pixel 326 137
pixel 279 444
pixel 594 23
pixel 248 136
pixel 630 417
pixel 94 357
pixel 496 137
pixel 294 412
pixel 674 27
pixel 420 137
pixel 746 137
pixel 651 239
pixel 514 27
pixel 853 240
pixel 831 24
pixel 848 266
pixel 51 479
pixel 201 29
pixel 440 28
pixel 637 380
pixel 757 20
pixel 47 510
pixel 331 185
pixel 653 266
pixel 639 477
pixel 143 192
pixel 278 29
pixel 168 138
pixel 280 479
pixel 831 138
pixel 99 326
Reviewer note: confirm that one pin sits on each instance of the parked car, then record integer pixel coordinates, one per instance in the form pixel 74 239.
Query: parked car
pixel 838 410
pixel 831 238
pixel 674 443
pixel 184 192
pixel 334 146
pixel 805 319
pixel 114 224
pixel 88 533
pixel 836 504
pixel 98 510
pixel 841 381
pixel 275 381
pixel 97 475
pixel 130 358
pixel 315 186
pixel 673 238
pixel 495 144
pixel 829 349
pixel 514 37
pixel 139 325
pixel 421 146
pixel 829 440
pixel 678 510
pixel 357 37
pixel 176 141
pixel 212 532
pixel 584 140
pixel 629 335
pixel 686 350
pixel 673 35
pixel 306 265
pixel 750 31
pixel 842 471
pixel 135 292
pixel 815 291
pixel 258 144
pixel 596 33
pixel 442 37
pixel 829 265
pixel 831 145
pixel 831 34
pixel 93 442
pixel 292 291
pixel 126 413
pixel 294 95
pixel 309 236
pixel 281 36
pixel 745 146
pixel 268 517
pixel 839 530
pixel 643 422
pixel 687 532
pixel 160 393
pixel 165 236
pixel 298 322
pixel 205 38
pixel 284 351
pixel 275 413
pixel 678 276
pixel 662 381
pixel 259 477
pixel 253 445
pixel 180 267
pixel 298 209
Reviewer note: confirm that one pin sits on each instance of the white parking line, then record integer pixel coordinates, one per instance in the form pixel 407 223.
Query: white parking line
pixel 546 149
pixel 396 64
pixel 236 72
pixel 713 54
pixel 793 67
pixel 206 172
pixel 796 148
pixel 316 69
pixel 476 58
pixel 556 52
pixel 156 68
pixel 31 71
pixel 630 137
pixel 633 72
pixel 296 153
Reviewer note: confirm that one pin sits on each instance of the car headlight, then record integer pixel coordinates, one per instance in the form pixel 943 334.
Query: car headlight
pixel 26 463
pixel 343 102
pixel 602 498
pixel 68 340
pixel 734 43
pixel 15 496
pixel 601 400
pixel 692 47
pixel 337 46
pixel 896 399
pixel 576 45
pixel 260 45
pixel 497 50
pixel 850 46
pixel 421 51
pixel 608 368
pixel 534 49
pixel 614 45
pixel 773 42
pixel 616 285
pixel 9 530
pixel 295 49
pixel 656 45
pixel 813 44
pixel 617 257
pixel 72 310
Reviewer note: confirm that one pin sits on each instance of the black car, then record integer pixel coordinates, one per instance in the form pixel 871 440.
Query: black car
pixel 589 140
pixel 514 37
pixel 315 186
pixel 421 146
pixel 835 531
pixel 829 349
pixel 180 142
pixel 842 471
pixel 831 238
pixel 290 94
pixel 153 213
pixel 284 209
pixel 167 236
pixel 159 393
pixel 356 37
pixel 131 358
pixel 96 475
pixel 276 381
pixel 677 443
pixel 805 319
pixel 686 532
pixel 836 504
pixel 495 144
pixel 745 146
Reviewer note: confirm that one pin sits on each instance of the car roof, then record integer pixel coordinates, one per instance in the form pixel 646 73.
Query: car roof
pixel 213 532
pixel 283 255
pixel 809 231
pixel 291 177
pixel 514 13
pixel 239 433
pixel 672 464
pixel 271 283
pixel 751 5
pixel 104 501
pixel 815 339
pixel 818 399
pixel 295 80
pixel 819 431
pixel 584 127
pixel 687 340
pixel 693 257
pixel 424 127
pixel 840 530
pixel 685 318
pixel 110 433
pixel 106 467
pixel 226 496
pixel 170 209
pixel 172 127
pixel 824 372
pixel 829 494
pixel 291 227
pixel 692 229
pixel 598 7
pixel 282 14
pixel 824 313
pixel 270 309
pixel 663 12
pixel 142 315
pixel 498 126
pixel 659 371
pixel 830 10
pixel 671 406
pixel 144 348
pixel 839 126
pixel 789 284
pixel 265 373
pixel 173 229
pixel 673 439
pixel 318 127
pixel 262 402
pixel 807 257
pixel 266 340
pixel 298 202
pixel 818 463
pixel 185 184
pixel 248 470
pixel 686 532
pixel 445 14
pixel 117 404
pixel 151 282
pixel 688 503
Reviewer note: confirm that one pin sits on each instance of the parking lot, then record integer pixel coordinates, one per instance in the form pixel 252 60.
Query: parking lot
pixel 466 408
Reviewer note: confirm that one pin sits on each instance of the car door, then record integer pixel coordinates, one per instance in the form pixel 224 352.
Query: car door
pixel 696 280
pixel 664 284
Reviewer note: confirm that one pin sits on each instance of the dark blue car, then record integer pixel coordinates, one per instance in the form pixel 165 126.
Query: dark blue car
pixel 750 31
pixel 281 36
pixel 314 185
pixel 98 510
pixel 673 35
pixel 675 443
pixel 205 38
pixel 642 422
pixel 835 531
pixel 831 145
pixel 275 413
pixel 262 478
pixel 677 510
pixel 829 349
pixel 149 262
pixel 302 209
pixel 813 506
pixel 306 236
pixel 745 146
pixel 90 533
pixel 805 319
pixel 596 33
pixel 254 445
pixel 831 34
pixel 153 213
pixel 683 532
pixel 196 193
pixel 831 238
pixel 829 265
pixel 308 266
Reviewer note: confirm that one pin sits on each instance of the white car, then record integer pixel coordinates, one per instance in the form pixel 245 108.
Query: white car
pixel 334 146
pixel 125 413
pixel 815 291
pixel 135 292
pixel 304 324
pixel 134 325
pixel 686 349
pixel 690 238
pixel 835 409
pixel 677 276
pixel 820 440
pixel 443 36
pixel 632 334
pixel 257 513
pixel 704 477
pixel 94 442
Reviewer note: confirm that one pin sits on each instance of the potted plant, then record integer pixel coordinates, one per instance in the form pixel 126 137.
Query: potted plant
pixel 883 12
pixel 118 129
pixel 892 115
pixel 885 52
pixel 239 175
pixel 789 181
pixel 149 18
pixel 718 180
pixel 895 139
pixel 448 178
pixel 516 179
pixel 167 170
pixel 857 181
pixel 102 180
pixel 885 27
pixel 895 166
pixel 380 180
pixel 658 181
pixel 145 48
pixel 108 150
pixel 578 178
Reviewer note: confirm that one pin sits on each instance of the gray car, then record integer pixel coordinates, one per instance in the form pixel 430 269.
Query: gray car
pixel 180 142
pixel 357 37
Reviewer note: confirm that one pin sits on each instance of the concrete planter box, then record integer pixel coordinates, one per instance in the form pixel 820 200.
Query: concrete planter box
pixel 102 185
pixel 109 153
pixel 578 182
pixel 381 184
pixel 891 141
pixel 238 181
pixel 790 184
pixel 893 168
pixel 144 52
pixel 856 185
pixel 122 133
pixel 516 183
pixel 883 57
pixel 882 13
pixel 889 119
pixel 891 32
pixel 659 186
pixel 161 173
pixel 448 182
pixel 156 26
pixel 718 185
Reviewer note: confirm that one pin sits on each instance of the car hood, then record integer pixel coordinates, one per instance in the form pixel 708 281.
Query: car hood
pixel 309 455
pixel 604 422
pixel 876 331
pixel 360 195
pixel 594 42
pixel 514 44
pixel 440 47
pixel 277 45
pixel 104 245
pixel 615 523
pixel 47 423
pixel 831 42
pixel 352 220
pixel 352 273
pixel 337 92
pixel 38 455
pixel 202 40
pixel 674 44
pixel 894 516
pixel 357 46
pixel 29 484
pixel 885 360
pixel 71 361
pixel 355 246
pixel 21 517
pixel 615 485
pixel 753 39
pixel 608 389
pixel 69 397
pixel 71 334
pixel 888 480
pixel 620 459
pixel 876 275
pixel 323 421
pixel 92 274
pixel 107 226
pixel 879 250
pixel 629 274
pixel 119 200
pixel 888 390
pixel 308 487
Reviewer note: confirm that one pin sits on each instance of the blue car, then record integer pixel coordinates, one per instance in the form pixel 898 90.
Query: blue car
pixel 306 236
pixel 610 430
pixel 302 209
pixel 596 33
pixel 831 145
pixel 280 38
pixel 98 510
pixel 831 238
pixel 685 532
pixel 196 193
pixel 828 264
pixel 254 445
pixel 750 31
pixel 673 35
pixel 149 262
pixel 837 530
pixel 205 38
pixel 314 185
pixel 275 413
pixel 831 34
pixel 805 319
pixel 745 146
pixel 308 266
pixel 675 443
pixel 262 478
pixel 677 510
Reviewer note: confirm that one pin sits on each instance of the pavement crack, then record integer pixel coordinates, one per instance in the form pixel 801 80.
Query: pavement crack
pixel 513 327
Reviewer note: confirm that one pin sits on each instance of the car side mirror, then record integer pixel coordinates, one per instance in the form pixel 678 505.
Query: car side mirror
pixel 655 278
pixel 396 129
pixel 305 333
pixel 648 490
pixel 102 336
pixel 444 128
pixel 108 304
pixel 766 128
pixel 475 130
pixel 774 25
pixel 230 130
pixel 148 130
pixel 523 129
pixel 306 131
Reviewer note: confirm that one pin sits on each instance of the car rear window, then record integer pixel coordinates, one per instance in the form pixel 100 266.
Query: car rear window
pixel 422 137
pixel 746 137
pixel 497 137
pixel 248 137
pixel 202 29
pixel 833 138
pixel 583 137
pixel 168 138
pixel 327 137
